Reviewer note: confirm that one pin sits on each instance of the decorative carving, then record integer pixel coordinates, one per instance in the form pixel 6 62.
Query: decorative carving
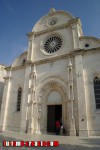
pixel 52 21
pixel 7 79
pixel 39 99
pixel 33 75
pixel 52 84
pixel 39 111
pixel 69 63
pixel 96 79
pixel 79 74
pixel 97 74
pixel 43 91
pixel 52 11
pixel 52 44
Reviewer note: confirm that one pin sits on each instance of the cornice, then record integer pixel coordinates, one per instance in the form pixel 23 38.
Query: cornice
pixel 8 68
pixel 71 54
pixel 89 37
pixel 8 77
pixel 70 22
pixel 85 52
pixel 51 59
pixel 15 68
pixel 92 51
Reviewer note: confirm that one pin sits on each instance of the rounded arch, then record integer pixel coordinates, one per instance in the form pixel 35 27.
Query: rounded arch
pixel 19 60
pixel 56 15
pixel 49 84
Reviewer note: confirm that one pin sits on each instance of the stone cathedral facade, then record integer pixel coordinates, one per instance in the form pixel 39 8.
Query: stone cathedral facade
pixel 58 78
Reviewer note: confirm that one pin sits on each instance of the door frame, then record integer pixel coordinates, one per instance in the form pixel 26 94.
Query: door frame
pixel 47 113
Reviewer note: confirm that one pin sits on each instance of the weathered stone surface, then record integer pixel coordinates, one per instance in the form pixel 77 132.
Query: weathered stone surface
pixel 69 73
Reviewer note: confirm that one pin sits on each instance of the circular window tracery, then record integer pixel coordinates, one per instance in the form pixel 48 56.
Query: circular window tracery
pixel 87 45
pixel 53 44
pixel 53 22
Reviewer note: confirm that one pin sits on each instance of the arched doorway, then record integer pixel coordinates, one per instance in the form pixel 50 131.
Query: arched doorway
pixel 52 94
pixel 54 110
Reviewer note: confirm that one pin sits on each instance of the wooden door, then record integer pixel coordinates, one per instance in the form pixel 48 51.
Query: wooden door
pixel 51 118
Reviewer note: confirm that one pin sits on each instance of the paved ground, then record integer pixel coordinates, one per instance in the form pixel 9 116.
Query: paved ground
pixel 66 142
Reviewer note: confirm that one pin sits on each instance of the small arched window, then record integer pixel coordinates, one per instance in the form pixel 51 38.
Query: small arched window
pixel 97 91
pixel 19 96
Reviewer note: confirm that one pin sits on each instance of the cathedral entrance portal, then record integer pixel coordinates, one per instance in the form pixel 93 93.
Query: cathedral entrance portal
pixel 54 113
pixel 53 99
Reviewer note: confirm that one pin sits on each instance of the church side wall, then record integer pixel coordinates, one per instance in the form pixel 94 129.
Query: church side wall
pixel 91 63
pixel 13 117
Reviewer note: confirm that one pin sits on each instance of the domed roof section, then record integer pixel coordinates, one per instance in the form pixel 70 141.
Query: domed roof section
pixel 53 18
pixel 20 60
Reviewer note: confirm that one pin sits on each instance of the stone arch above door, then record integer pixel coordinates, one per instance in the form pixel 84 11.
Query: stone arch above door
pixel 54 97
pixel 48 85
pixel 44 89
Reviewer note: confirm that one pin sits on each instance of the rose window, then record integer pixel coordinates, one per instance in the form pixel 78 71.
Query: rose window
pixel 52 44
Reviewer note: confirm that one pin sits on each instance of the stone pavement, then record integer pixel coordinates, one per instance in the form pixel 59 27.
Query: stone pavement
pixel 66 142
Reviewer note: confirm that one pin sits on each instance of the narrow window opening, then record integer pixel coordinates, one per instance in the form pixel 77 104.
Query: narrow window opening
pixel 97 92
pixel 19 95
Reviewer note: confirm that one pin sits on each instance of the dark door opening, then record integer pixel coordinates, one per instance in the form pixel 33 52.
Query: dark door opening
pixel 54 113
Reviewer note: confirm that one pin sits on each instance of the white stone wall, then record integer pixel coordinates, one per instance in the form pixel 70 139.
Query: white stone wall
pixel 44 73
pixel 43 23
pixel 91 41
pixel 52 68
pixel 13 117
pixel 38 43
pixel 91 63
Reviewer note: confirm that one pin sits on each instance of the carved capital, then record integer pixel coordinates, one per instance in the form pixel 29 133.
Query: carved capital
pixel 7 79
pixel 71 99
pixel 33 74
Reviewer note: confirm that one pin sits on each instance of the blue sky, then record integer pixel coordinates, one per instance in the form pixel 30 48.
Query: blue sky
pixel 17 18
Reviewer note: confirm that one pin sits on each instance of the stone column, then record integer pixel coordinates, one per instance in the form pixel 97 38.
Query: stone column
pixel 25 99
pixel 30 48
pixel 83 124
pixel 5 102
pixel 39 118
pixel 64 113
pixel 45 117
pixel 32 117
pixel 75 36
pixel 71 99
pixel 30 106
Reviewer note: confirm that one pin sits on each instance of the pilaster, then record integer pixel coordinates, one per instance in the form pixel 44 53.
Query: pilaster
pixel 30 48
pixel 25 99
pixel 5 102
pixel 83 125
pixel 75 36
pixel 71 99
